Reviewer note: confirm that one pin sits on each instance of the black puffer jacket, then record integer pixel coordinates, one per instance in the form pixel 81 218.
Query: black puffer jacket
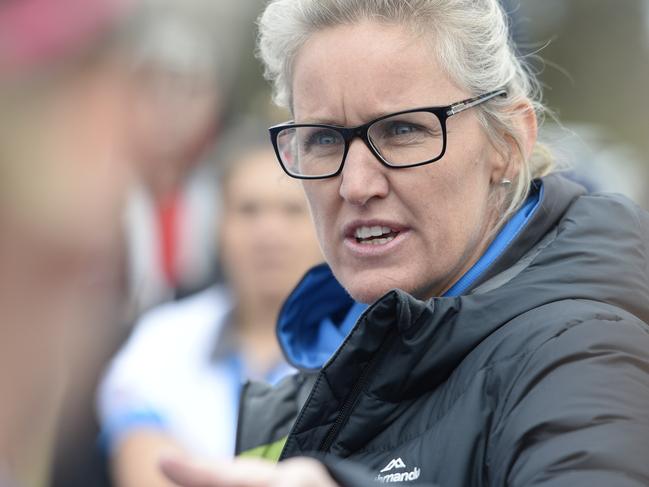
pixel 538 377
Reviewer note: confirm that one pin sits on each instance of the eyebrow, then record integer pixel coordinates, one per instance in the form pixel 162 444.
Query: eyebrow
pixel 372 116
pixel 328 120
pixel 323 121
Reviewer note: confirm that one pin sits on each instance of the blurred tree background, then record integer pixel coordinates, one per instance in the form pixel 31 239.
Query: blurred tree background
pixel 596 76
pixel 598 61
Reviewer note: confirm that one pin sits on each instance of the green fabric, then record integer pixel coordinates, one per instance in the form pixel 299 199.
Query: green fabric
pixel 270 452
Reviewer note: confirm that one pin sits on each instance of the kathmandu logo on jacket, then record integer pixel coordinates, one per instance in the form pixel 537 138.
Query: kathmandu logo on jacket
pixel 398 464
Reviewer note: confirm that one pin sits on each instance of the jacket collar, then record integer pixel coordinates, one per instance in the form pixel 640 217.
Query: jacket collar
pixel 558 194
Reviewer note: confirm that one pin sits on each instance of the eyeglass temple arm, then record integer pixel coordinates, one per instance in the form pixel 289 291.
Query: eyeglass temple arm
pixel 471 102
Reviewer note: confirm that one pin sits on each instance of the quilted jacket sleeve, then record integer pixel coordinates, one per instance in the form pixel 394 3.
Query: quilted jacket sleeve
pixel 577 413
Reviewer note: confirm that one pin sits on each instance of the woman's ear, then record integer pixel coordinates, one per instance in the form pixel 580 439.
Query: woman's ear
pixel 525 123
pixel 528 128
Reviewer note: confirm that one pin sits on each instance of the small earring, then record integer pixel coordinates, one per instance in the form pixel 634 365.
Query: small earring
pixel 505 182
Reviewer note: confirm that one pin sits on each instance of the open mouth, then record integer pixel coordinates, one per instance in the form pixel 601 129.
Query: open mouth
pixel 375 235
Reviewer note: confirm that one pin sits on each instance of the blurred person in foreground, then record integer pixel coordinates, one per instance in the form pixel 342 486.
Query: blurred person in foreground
pixel 63 178
pixel 506 338
pixel 175 385
pixel 181 67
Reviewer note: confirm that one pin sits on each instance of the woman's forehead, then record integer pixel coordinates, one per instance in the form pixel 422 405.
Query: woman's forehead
pixel 371 67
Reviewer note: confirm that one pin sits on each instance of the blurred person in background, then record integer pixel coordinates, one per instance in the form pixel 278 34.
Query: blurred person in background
pixel 177 112
pixel 176 383
pixel 185 66
pixel 63 178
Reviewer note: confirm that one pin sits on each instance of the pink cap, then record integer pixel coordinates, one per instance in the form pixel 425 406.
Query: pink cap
pixel 35 32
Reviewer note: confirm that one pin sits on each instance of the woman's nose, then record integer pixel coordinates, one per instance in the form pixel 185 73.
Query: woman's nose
pixel 363 176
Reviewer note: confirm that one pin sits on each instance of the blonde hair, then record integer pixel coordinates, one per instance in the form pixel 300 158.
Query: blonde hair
pixel 472 41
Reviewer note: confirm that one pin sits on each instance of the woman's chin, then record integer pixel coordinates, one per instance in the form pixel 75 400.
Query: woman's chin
pixel 367 285
pixel 369 289
pixel 367 294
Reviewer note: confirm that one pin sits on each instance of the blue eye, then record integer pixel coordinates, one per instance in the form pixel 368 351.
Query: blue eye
pixel 325 137
pixel 403 129
pixel 410 128
pixel 320 140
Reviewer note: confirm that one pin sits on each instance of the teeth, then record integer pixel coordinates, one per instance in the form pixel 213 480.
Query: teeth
pixel 377 241
pixel 367 232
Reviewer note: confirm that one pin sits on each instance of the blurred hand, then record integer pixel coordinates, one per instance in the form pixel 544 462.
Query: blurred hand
pixel 244 472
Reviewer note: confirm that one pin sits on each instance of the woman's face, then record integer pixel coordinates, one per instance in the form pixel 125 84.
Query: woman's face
pixel 440 212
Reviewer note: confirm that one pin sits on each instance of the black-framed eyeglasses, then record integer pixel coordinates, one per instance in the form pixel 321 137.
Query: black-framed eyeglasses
pixel 403 139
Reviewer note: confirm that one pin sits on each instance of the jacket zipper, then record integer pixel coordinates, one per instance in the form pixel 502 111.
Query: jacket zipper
pixel 352 398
